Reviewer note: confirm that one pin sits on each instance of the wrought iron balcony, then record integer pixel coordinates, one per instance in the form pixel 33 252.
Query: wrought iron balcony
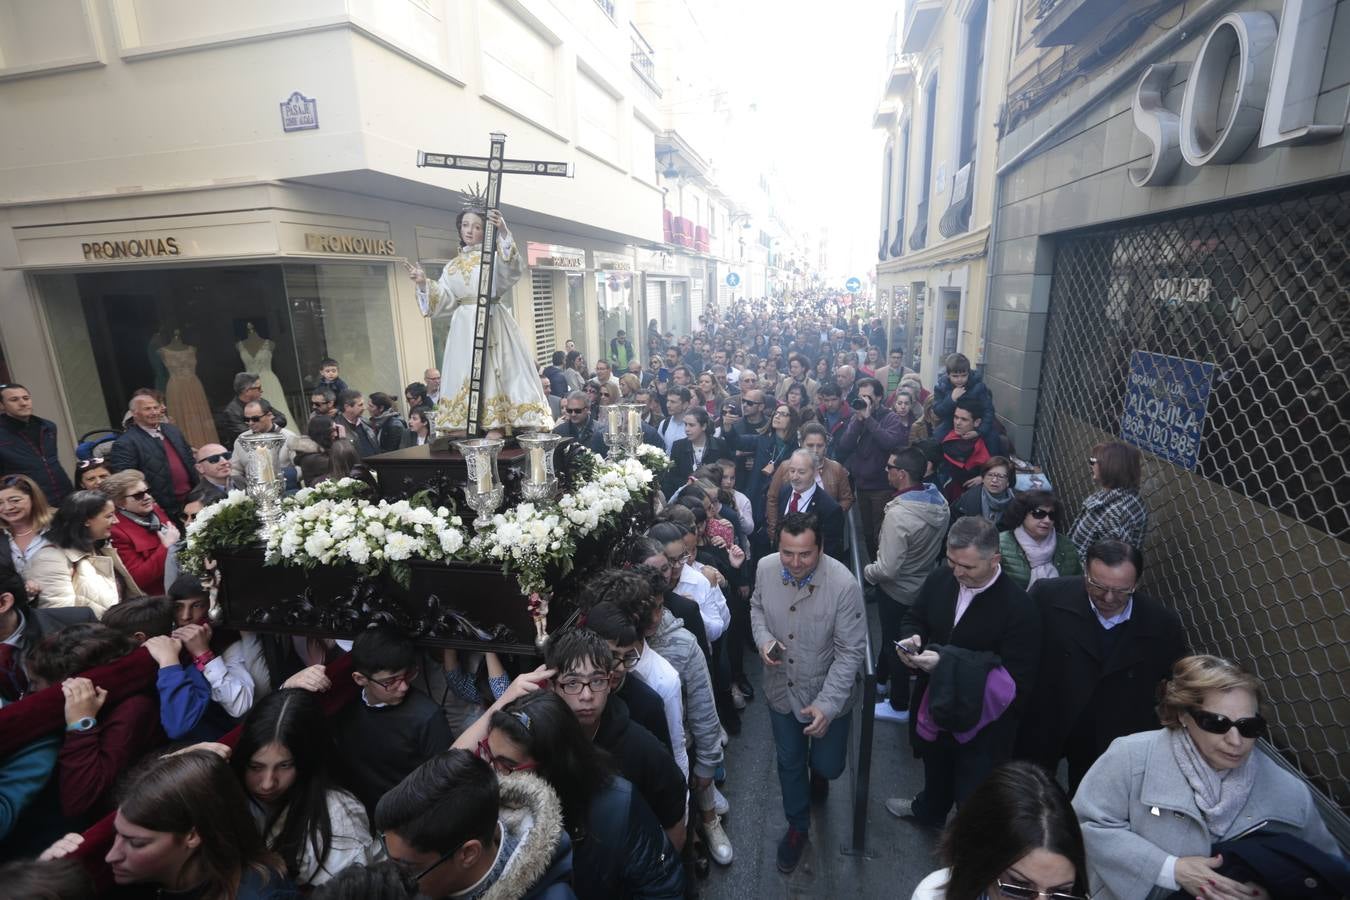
pixel 643 61
pixel 919 239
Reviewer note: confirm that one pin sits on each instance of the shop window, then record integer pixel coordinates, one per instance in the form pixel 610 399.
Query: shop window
pixel 188 331
pixel 614 292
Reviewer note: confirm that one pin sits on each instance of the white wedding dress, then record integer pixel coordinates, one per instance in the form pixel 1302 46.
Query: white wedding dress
pixel 514 399
pixel 275 394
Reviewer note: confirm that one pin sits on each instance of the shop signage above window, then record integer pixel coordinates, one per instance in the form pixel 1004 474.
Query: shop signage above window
pixel 299 113
pixel 613 262
pixel 134 248
pixel 354 245
pixel 1274 94
pixel 554 256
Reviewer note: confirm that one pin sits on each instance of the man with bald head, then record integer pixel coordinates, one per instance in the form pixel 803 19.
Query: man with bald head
pixel 432 379
pixel 213 465
pixel 801 493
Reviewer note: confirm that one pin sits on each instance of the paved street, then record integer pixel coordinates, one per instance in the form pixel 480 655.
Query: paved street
pixel 897 854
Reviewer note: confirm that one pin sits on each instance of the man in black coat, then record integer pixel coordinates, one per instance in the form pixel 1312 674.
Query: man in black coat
pixel 23 627
pixel 579 425
pixel 802 472
pixel 971 604
pixel 1104 650
pixel 158 451
pixel 28 444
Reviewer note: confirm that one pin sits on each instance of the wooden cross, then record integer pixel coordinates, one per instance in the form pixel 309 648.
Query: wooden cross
pixel 496 165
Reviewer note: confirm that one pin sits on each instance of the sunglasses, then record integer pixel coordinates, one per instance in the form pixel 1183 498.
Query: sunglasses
pixel 215 457
pixel 1039 513
pixel 574 412
pixel 139 495
pixel 1249 727
pixel 1022 892
pixel 252 419
pixel 89 463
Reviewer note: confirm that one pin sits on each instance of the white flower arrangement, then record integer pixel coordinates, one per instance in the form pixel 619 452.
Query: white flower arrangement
pixel 332 524
pixel 229 522
pixel 654 458
pixel 531 538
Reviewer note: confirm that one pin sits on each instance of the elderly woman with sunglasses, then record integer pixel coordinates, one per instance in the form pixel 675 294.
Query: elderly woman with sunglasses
pixel 1153 806
pixel 143 534
pixel 1032 544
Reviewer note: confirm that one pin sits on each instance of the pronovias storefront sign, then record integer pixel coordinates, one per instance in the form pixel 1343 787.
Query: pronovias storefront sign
pixel 1274 90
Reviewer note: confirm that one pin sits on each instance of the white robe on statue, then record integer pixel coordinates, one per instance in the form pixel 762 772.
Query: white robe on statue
pixel 513 396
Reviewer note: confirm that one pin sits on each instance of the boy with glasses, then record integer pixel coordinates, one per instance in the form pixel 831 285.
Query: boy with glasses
pixel 393 729
pixel 456 829
pixel 583 666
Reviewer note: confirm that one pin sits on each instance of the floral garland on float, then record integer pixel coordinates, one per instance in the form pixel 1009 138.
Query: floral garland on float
pixel 338 523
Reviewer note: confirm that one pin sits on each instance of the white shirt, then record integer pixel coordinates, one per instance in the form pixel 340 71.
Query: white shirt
pixel 1117 619
pixel 965 596
pixel 712 605
pixel 671 430
pixel 659 675
pixel 802 501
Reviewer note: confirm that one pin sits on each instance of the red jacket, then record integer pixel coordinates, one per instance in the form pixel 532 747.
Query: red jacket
pixel 142 552
pixel 91 761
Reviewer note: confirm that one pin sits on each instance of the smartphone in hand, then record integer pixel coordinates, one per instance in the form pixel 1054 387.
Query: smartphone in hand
pixel 905 648
pixel 776 652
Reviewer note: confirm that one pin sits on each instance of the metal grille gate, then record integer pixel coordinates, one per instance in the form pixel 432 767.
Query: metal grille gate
pixel 1249 547
pixel 545 339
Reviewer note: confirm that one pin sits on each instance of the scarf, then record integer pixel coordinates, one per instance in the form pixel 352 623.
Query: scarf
pixel 1040 554
pixel 992 507
pixel 1219 796
pixel 150 523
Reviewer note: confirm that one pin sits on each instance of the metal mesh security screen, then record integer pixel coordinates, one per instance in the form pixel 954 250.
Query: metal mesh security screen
pixel 1249 505
pixel 545 341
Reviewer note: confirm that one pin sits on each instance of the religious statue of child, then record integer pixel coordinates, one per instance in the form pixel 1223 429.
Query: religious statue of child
pixel 513 398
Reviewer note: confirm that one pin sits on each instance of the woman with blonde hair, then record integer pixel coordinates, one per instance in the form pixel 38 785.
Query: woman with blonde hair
pixel 1156 802
pixel 24 517
pixel 629 385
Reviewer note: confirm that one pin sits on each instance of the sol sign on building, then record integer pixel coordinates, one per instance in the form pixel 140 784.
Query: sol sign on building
pixel 1275 88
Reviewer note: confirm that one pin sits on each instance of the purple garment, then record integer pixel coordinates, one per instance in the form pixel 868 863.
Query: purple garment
pixel 999 691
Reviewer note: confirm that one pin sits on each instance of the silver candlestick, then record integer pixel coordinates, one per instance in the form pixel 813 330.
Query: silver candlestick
pixel 484 491
pixel 541 481
pixel 263 480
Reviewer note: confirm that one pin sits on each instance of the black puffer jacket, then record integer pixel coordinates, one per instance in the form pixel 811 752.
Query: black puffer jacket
pixel 135 448
pixel 29 448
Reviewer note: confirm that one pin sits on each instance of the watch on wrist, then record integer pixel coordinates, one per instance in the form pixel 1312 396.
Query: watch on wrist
pixel 82 724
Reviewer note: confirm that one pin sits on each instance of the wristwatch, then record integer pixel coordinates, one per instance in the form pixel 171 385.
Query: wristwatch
pixel 82 724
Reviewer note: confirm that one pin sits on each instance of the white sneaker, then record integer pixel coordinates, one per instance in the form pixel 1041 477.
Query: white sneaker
pixel 720 804
pixel 884 710
pixel 737 698
pixel 900 807
pixel 719 845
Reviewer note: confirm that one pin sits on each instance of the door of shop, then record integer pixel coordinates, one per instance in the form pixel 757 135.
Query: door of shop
pixel 1247 529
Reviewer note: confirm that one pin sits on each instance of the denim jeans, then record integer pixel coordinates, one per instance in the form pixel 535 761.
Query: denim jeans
pixel 826 757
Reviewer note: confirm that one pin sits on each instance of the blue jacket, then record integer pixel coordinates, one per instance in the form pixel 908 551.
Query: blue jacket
pixel 977 392
pixel 186 709
pixel 135 448
pixel 20 454
pixel 23 776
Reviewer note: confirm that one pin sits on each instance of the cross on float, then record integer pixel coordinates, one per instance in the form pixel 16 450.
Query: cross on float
pixel 495 164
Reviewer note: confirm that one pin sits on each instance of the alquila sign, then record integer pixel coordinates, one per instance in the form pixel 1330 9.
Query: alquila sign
pixel 1274 88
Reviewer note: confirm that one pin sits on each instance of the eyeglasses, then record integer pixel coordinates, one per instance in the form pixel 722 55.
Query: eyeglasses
pixel 409 870
pixel 503 766
pixel 1022 892
pixel 598 684
pixel 215 458
pixel 139 495
pixel 677 560
pixel 629 660
pixel 390 683
pixel 89 463
pixel 1248 727
pixel 996 476
pixel 1105 591
pixel 1039 513
pixel 893 468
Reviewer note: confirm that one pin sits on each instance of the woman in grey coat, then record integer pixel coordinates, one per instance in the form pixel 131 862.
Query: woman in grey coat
pixel 1155 802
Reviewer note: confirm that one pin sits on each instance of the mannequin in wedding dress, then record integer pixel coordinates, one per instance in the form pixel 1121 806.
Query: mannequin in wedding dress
pixel 184 395
pixel 255 352
pixel 513 399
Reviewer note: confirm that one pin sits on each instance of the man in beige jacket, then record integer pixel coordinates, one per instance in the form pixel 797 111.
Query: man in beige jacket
pixel 809 625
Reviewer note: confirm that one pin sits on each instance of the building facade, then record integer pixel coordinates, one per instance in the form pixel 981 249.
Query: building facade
pixel 242 181
pixel 1169 268
pixel 944 82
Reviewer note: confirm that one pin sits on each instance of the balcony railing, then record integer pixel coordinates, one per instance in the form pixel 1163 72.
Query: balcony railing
pixel 607 6
pixel 643 62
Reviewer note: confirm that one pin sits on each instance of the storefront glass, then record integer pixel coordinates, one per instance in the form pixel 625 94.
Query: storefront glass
pixel 188 331
pixel 576 310
pixel 614 293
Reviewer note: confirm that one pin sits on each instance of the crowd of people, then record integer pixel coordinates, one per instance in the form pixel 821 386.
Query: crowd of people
pixel 171 754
